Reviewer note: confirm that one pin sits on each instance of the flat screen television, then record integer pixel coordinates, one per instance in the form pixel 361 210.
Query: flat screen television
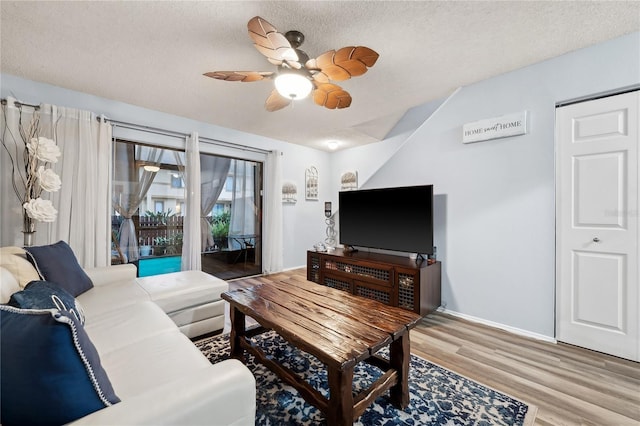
pixel 397 219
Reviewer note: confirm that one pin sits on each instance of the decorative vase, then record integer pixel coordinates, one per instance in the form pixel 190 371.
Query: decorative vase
pixel 28 238
pixel 29 230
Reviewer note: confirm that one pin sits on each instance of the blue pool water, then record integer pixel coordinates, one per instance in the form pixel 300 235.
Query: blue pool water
pixel 159 265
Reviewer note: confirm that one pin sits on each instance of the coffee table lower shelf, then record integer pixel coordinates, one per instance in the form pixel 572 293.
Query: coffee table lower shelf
pixel 340 381
pixel 339 329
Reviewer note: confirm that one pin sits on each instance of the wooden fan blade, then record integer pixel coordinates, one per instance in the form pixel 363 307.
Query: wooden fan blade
pixel 270 42
pixel 336 73
pixel 311 64
pixel 276 101
pixel 331 96
pixel 320 77
pixel 365 55
pixel 344 58
pixel 324 60
pixel 344 63
pixel 244 76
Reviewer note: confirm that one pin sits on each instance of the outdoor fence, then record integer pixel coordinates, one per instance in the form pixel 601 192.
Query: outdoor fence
pixel 164 234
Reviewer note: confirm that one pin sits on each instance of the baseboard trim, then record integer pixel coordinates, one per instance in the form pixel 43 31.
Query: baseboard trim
pixel 504 327
pixel 294 267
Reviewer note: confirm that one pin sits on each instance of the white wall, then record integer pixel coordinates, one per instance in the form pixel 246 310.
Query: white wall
pixel 494 201
pixel 303 225
pixel 304 221
pixel 367 159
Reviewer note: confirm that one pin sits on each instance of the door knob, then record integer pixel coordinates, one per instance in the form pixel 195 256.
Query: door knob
pixel 596 239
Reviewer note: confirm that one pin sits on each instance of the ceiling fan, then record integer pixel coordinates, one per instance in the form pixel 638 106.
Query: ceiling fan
pixel 297 75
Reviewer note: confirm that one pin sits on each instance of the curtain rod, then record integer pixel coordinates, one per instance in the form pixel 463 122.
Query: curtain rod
pixel 5 101
pixel 173 133
pixel 218 142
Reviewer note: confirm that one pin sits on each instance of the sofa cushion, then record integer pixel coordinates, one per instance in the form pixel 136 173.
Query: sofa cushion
pixel 8 285
pixel 57 263
pixel 47 295
pixel 152 362
pixel 121 327
pixel 180 290
pixel 14 259
pixel 51 372
pixel 109 297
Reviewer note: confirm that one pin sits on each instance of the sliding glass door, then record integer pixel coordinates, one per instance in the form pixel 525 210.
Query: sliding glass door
pixel 148 201
pixel 234 247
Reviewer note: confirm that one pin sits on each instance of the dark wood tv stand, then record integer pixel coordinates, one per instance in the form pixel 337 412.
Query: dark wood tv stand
pixel 393 280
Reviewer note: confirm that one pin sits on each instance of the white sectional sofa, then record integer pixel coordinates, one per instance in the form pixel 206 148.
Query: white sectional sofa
pixel 157 373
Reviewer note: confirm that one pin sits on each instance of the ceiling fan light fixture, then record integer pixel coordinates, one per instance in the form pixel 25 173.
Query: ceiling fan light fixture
pixel 152 169
pixel 293 86
pixel 297 74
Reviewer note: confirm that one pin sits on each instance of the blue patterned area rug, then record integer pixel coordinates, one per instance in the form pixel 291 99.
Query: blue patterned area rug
pixel 438 396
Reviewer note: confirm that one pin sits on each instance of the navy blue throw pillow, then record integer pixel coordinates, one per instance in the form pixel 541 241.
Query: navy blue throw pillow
pixel 47 295
pixel 58 264
pixel 51 372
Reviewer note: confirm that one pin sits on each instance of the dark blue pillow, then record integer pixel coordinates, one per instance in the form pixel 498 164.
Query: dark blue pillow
pixel 58 264
pixel 47 295
pixel 51 372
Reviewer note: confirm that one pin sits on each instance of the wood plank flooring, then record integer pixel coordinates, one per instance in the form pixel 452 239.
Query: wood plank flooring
pixel 568 384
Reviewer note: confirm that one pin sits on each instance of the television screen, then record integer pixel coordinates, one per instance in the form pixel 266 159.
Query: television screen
pixel 399 219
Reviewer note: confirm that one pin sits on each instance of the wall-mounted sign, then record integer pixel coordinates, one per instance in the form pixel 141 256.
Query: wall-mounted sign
pixel 494 128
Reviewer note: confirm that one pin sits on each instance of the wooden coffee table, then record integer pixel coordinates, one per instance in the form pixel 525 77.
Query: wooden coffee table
pixel 337 328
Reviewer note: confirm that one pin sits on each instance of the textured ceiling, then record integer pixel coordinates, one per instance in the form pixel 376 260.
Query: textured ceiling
pixel 153 54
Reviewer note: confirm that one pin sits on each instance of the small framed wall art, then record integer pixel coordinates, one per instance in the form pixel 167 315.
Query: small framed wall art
pixel 311 183
pixel 289 193
pixel 349 181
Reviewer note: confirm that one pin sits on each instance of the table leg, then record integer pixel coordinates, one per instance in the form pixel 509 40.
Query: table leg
pixel 399 359
pixel 238 331
pixel 340 411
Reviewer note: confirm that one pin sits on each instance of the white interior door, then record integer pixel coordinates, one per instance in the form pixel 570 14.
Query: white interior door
pixel 597 225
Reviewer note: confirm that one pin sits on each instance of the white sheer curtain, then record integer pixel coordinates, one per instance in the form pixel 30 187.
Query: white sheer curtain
pixel 191 247
pixel 272 251
pixel 83 211
pixel 84 169
pixel 131 184
pixel 243 204
pixel 213 175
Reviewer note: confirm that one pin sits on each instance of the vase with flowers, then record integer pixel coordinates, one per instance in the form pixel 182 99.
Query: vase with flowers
pixel 34 177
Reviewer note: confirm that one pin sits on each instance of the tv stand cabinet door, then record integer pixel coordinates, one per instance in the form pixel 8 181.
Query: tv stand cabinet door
pixel 380 293
pixel 314 260
pixel 336 281
pixel 408 289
